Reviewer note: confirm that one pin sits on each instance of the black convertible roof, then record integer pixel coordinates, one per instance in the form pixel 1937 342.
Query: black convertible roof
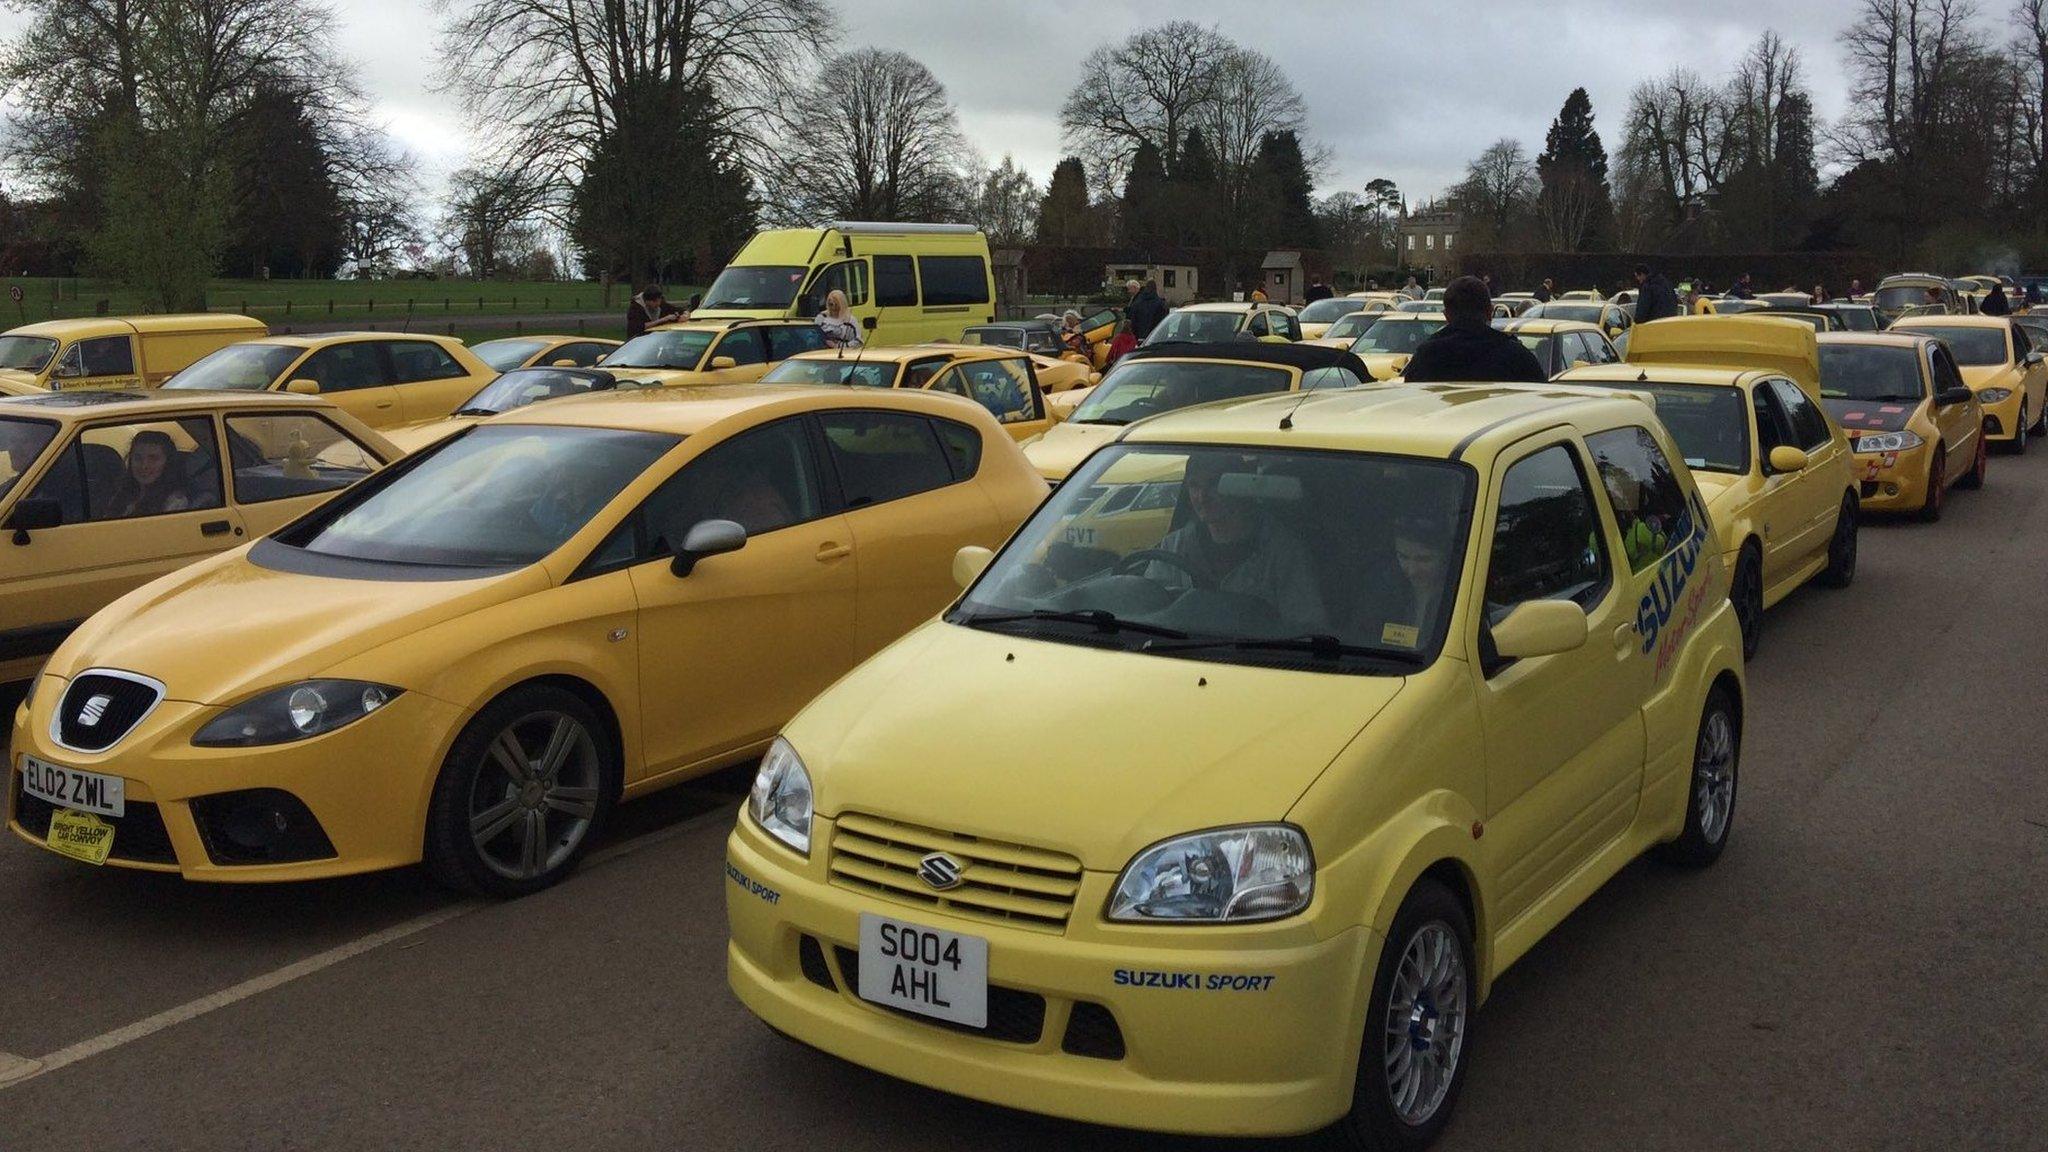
pixel 1306 357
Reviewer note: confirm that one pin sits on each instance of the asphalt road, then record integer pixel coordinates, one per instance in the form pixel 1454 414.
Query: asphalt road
pixel 1864 968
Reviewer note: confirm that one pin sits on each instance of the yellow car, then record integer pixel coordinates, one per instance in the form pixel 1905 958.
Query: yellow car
pixel 1167 377
pixel 1560 345
pixel 471 658
pixel 1330 762
pixel 1916 428
pixel 1316 318
pixel 1612 319
pixel 515 389
pixel 384 379
pixel 1347 328
pixel 1004 381
pixel 1388 342
pixel 543 352
pixel 118 352
pixel 1226 320
pixel 1741 396
pixel 2001 365
pixel 1915 294
pixel 712 351
pixel 103 492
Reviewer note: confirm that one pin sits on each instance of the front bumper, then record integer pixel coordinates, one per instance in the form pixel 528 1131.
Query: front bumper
pixel 2002 420
pixel 1893 481
pixel 1165 1029
pixel 366 785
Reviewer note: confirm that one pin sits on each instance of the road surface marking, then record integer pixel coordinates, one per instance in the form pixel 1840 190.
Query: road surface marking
pixel 14 1068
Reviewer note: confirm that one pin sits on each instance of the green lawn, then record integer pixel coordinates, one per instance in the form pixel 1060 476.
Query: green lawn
pixel 315 301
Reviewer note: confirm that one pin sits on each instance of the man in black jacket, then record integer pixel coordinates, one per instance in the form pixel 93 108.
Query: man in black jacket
pixel 1145 310
pixel 1655 299
pixel 1468 348
pixel 648 307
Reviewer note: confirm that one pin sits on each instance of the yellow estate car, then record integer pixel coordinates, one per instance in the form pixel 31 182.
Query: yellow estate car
pixel 1331 761
pixel 543 351
pixel 1560 345
pixel 1167 377
pixel 1907 294
pixel 101 492
pixel 384 379
pixel 471 657
pixel 2001 365
pixel 1387 343
pixel 1914 425
pixel 1741 396
pixel 1226 320
pixel 1005 381
pixel 712 351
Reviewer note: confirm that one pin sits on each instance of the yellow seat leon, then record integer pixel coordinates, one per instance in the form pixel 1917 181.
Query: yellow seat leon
pixel 2001 365
pixel 384 379
pixel 1915 427
pixel 1370 711
pixel 543 351
pixel 1742 396
pixel 470 658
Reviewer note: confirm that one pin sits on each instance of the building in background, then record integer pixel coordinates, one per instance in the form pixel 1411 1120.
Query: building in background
pixel 1428 239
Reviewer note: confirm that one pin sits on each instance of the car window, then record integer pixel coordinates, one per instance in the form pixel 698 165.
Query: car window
pixel 1546 536
pixel 107 356
pixel 505 355
pixel 1809 427
pixel 895 282
pixel 1332 377
pixel 919 371
pixel 763 479
pixel 145 468
pixel 1647 498
pixel 274 457
pixel 415 360
pixel 1001 386
pixel 345 367
pixel 953 280
pixel 1773 427
pixel 744 346
pixel 1946 374
pixel 884 456
pixel 1261 324
pixel 1289 326
pixel 786 340
pixel 848 276
pixel 582 354
pixel 21 442
pixel 962 445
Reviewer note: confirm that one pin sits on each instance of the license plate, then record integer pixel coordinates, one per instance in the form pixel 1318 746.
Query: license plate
pixel 931 972
pixel 73 788
pixel 81 836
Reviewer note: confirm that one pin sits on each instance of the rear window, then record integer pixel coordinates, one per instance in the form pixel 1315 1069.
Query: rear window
pixel 1870 372
pixel 953 279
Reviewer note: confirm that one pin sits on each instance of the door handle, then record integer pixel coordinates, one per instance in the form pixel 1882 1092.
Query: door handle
pixel 829 551
pixel 1624 637
pixel 214 528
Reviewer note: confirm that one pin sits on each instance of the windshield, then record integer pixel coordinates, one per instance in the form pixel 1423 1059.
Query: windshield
pixel 1313 560
pixel 1198 326
pixel 1973 347
pixel 1857 319
pixel 523 386
pixel 238 368
pixel 998 337
pixel 755 286
pixel 1870 372
pixel 502 496
pixel 26 353
pixel 834 370
pixel 1387 334
pixel 1326 311
pixel 667 348
pixel 21 441
pixel 1351 326
pixel 1902 296
pixel 505 355
pixel 1144 388
pixel 1585 313
pixel 1707 420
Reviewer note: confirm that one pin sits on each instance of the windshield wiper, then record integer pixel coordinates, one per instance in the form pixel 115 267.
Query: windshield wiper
pixel 476 411
pixel 1319 644
pixel 1101 619
pixel 1113 421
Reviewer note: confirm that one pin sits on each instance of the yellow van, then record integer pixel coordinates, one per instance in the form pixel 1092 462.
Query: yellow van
pixel 113 351
pixel 906 283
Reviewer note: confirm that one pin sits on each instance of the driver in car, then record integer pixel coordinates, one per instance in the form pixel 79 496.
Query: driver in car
pixel 1234 545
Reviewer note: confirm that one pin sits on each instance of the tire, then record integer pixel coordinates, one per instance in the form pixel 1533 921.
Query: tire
pixel 1421 1007
pixel 1710 795
pixel 510 817
pixel 1979 467
pixel 2018 444
pixel 2040 421
pixel 1841 569
pixel 1937 478
pixel 1746 593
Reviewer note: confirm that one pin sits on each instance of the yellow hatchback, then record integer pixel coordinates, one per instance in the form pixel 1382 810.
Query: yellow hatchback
pixel 2001 365
pixel 1915 426
pixel 1377 705
pixel 384 379
pixel 1005 381
pixel 1386 344
pixel 471 657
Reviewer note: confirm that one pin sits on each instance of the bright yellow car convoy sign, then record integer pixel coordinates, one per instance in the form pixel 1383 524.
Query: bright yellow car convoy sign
pixel 1418 669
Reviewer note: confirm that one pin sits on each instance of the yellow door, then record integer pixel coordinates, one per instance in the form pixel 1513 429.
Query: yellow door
pixel 283 465
pixel 730 651
pixel 748 353
pixel 1008 388
pixel 1960 425
pixel 102 362
pixel 1816 491
pixel 1563 733
pixel 430 383
pixel 1783 504
pixel 356 378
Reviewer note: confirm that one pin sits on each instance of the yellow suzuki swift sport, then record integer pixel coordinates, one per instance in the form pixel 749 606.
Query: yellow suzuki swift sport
pixel 471 657
pixel 1378 702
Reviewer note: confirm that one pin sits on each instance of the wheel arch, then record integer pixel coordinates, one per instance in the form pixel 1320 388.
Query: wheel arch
pixel 598 702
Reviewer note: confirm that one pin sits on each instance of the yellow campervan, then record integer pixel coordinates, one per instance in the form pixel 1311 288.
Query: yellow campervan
pixel 113 351
pixel 905 283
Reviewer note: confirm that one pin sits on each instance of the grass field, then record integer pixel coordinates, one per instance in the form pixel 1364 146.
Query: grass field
pixel 284 302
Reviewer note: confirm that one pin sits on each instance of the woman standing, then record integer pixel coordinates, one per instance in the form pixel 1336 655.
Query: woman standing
pixel 837 323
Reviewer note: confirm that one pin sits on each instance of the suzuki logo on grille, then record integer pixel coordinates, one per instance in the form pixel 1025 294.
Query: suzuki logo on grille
pixel 940 871
pixel 94 709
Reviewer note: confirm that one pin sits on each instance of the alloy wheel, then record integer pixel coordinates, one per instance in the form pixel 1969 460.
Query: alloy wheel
pixel 1713 776
pixel 535 795
pixel 1426 1016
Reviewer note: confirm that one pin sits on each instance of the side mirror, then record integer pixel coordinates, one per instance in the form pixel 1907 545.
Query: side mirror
pixel 32 515
pixel 303 387
pixel 707 538
pixel 1949 397
pixel 969 562
pixel 1786 458
pixel 563 364
pixel 2034 357
pixel 720 362
pixel 1540 628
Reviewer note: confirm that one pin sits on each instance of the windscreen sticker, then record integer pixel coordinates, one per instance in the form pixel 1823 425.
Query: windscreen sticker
pixel 1401 634
pixel 1192 981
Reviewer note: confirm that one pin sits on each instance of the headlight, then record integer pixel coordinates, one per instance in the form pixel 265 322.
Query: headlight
pixel 294 712
pixel 781 800
pixel 1889 442
pixel 1258 872
pixel 1993 395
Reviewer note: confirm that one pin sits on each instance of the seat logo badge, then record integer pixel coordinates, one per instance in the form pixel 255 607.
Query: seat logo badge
pixel 93 710
pixel 940 871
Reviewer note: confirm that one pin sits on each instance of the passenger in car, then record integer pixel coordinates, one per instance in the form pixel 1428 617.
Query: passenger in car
pixel 150 485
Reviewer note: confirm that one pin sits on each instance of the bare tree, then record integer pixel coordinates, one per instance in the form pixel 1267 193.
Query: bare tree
pixel 492 216
pixel 893 150
pixel 1149 89
pixel 1251 98
pixel 1495 194
pixel 1005 204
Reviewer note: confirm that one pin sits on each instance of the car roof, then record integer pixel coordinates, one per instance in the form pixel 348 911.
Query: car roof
pixel 1665 374
pixel 323 339
pixel 1546 325
pixel 94 403
pixel 1303 356
pixel 546 337
pixel 1888 339
pixel 904 353
pixel 1443 421
pixel 1953 321
pixel 688 411
pixel 718 324
pixel 85 327
pixel 1220 306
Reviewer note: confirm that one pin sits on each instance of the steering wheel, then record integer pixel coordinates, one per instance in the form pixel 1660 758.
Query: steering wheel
pixel 1143 556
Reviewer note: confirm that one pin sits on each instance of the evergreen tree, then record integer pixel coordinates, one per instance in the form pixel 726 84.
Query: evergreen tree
pixel 1142 222
pixel 1064 216
pixel 285 214
pixel 1794 169
pixel 1285 193
pixel 664 196
pixel 1194 191
pixel 1574 202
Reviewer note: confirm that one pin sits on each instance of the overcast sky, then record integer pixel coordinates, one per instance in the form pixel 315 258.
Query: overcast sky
pixel 1407 89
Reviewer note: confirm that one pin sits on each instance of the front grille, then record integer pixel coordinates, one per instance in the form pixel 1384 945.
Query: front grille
pixel 999 882
pixel 100 707
pixel 1092 1031
pixel 1014 1017
pixel 139 835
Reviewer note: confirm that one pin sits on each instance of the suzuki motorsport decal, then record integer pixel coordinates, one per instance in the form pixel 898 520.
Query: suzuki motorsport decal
pixel 1190 981
pixel 750 885
pixel 1673 592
